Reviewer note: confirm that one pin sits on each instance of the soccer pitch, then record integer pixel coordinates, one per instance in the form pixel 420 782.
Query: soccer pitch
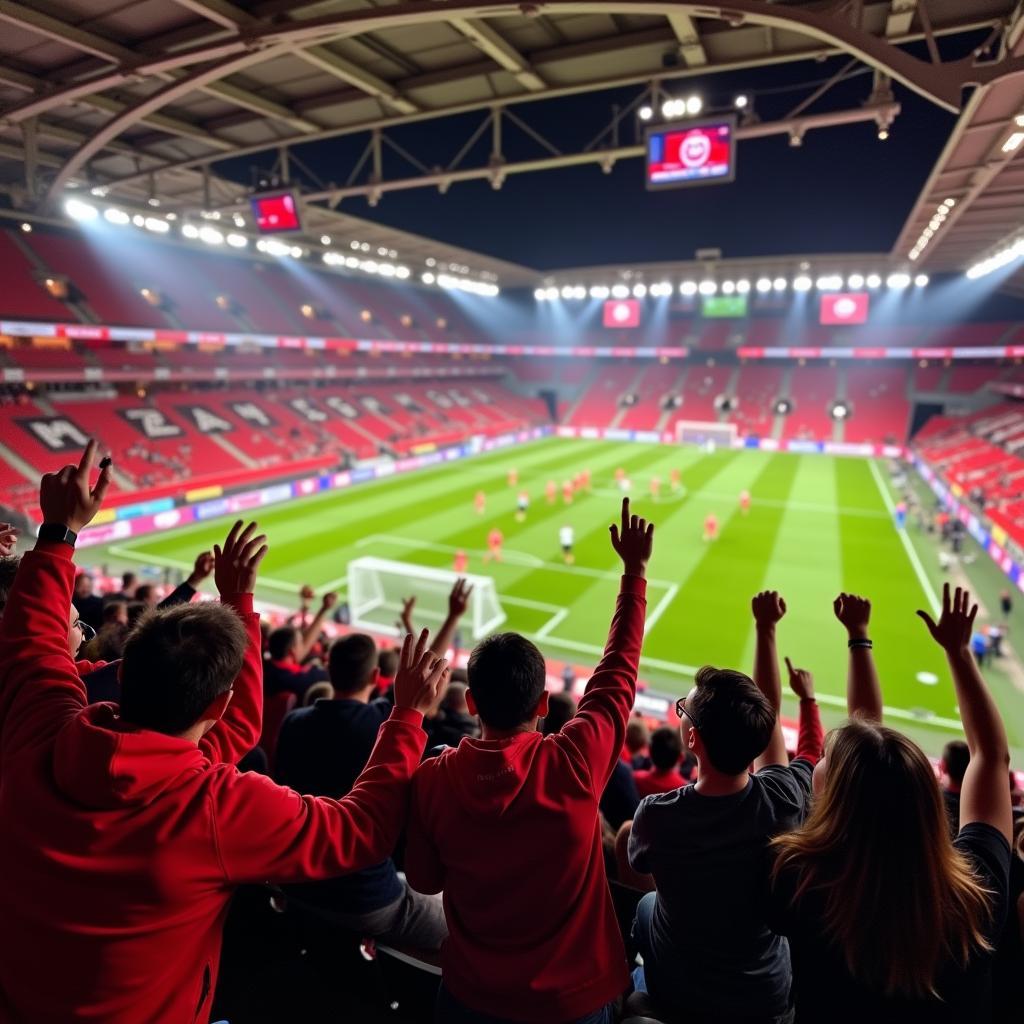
pixel 817 525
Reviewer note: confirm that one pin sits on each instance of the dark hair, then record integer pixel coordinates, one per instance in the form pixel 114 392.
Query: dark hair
pixel 506 677
pixel 666 748
pixel 387 662
pixel 144 593
pixel 111 610
pixel 956 755
pixel 108 644
pixel 732 717
pixel 281 641
pixel 127 580
pixel 136 609
pixel 454 698
pixel 351 661
pixel 177 661
pixel 561 708
pixel 8 570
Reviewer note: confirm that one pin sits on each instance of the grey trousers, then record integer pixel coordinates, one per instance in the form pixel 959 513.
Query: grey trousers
pixel 412 920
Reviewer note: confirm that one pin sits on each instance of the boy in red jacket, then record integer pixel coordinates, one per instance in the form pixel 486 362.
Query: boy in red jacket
pixel 507 826
pixel 126 828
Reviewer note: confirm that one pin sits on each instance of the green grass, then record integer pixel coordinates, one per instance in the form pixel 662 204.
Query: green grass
pixel 818 525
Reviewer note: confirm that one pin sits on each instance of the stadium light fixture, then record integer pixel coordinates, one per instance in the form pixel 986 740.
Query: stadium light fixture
pixel 873 281
pixel 566 291
pixel 688 288
pixel 743 286
pixel 780 284
pixel 190 230
pixel 620 291
pixel 694 105
pixel 403 273
pixel 428 278
pixel 645 113
pixel 741 102
pixel 539 294
pixel 764 285
pixel 157 225
pixel 115 215
pixel 599 291
pixel 839 411
pixel 949 203
pixel 211 236
pixel 639 290
pixel 829 283
pixel 728 287
pixel 1013 142
pixel 138 220
pixel 708 287
pixel 239 220
pixel 98 191
pixel 898 280
pixel 77 210
pixel 552 293
pixel 26 227
pixel 855 282
pixel 325 239
pixel 153 201
pixel 921 280
pixel 883 133
pixel 802 283
pixel 997 260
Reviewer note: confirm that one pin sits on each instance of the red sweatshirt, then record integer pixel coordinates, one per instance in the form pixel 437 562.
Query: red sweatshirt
pixel 121 846
pixel 509 830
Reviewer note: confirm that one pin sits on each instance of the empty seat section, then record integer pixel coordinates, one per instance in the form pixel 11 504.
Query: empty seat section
pixel 812 389
pixel 757 387
pixel 600 403
pixel 967 379
pixel 21 295
pixel 880 410
pixel 654 384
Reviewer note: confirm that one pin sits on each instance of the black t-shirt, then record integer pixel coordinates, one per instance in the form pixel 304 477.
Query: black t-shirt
pixel 321 750
pixel 709 857
pixel 951 801
pixel 823 987
pixel 278 678
pixel 620 799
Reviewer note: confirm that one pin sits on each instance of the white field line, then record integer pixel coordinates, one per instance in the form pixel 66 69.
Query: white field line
pixel 915 561
pixel 554 621
pixel 121 551
pixel 528 602
pixel 660 608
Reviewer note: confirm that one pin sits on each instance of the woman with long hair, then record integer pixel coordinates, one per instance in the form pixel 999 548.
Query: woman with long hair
pixel 888 918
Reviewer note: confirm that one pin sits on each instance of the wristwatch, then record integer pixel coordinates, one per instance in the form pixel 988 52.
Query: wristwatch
pixel 57 533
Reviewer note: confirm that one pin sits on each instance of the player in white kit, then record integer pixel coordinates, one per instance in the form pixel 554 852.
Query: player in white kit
pixel 565 538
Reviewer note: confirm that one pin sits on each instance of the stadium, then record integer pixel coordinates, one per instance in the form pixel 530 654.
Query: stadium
pixel 427 290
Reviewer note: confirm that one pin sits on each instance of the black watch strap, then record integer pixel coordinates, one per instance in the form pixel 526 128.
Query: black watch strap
pixel 57 533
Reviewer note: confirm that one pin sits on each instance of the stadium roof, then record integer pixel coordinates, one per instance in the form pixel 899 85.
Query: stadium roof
pixel 144 98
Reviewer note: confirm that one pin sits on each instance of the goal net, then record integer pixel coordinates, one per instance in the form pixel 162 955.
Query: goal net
pixel 706 435
pixel 377 587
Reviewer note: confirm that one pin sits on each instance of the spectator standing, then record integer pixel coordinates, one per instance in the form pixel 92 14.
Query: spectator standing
pixel 887 918
pixel 956 755
pixel 507 826
pixel 88 604
pixel 663 776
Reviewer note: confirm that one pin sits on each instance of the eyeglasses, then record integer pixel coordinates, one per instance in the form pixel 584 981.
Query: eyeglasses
pixel 88 633
pixel 681 710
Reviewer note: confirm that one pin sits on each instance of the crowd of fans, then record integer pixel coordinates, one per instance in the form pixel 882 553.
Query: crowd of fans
pixel 157 755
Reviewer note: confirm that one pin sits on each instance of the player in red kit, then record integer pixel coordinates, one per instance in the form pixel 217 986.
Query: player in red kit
pixel 675 479
pixel 620 475
pixel 585 479
pixel 494 541
pixel 480 501
pixel 744 502
pixel 567 492
pixel 711 527
pixel 551 492
pixel 513 477
pixel 461 562
pixel 655 487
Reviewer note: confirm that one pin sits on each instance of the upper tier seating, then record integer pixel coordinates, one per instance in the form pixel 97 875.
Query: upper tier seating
pixel 880 410
pixel 812 389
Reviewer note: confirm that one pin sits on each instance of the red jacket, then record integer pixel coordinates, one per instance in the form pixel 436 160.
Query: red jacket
pixel 121 847
pixel 509 830
pixel 653 780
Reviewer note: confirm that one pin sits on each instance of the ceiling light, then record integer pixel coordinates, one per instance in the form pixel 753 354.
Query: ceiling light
pixel 802 283
pixel 855 281
pixel 26 227
pixel 157 225
pixel 211 236
pixel 743 286
pixel 599 291
pixel 325 239
pixel 116 215
pixel 764 284
pixel 780 284
pixel 694 105
pixel 77 210
pixel 620 291
pixel 688 288
pixel 921 280
pixel 236 241
pixel 190 230
pixel 898 280
pixel 873 281
pixel 741 102
pixel 639 291
pixel 1013 142
pixel 645 113
pixel 728 287
pixel 566 291
pixel 883 134
pixel 538 293
pixel 707 287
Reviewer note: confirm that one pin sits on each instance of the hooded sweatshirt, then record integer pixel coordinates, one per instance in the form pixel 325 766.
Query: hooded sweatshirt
pixel 121 846
pixel 509 830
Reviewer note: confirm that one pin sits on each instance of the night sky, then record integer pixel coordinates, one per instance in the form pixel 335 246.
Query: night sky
pixel 842 190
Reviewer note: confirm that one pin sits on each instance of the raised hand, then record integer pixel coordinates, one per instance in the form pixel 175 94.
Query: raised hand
pixel 458 599
pixel 236 564
pixel 405 619
pixel 8 535
pixel 956 623
pixel 328 601
pixel 801 682
pixel 66 497
pixel 768 607
pixel 421 674
pixel 201 570
pixel 633 541
pixel 854 613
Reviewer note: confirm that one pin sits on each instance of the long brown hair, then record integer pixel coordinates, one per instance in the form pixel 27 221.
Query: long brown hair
pixel 901 901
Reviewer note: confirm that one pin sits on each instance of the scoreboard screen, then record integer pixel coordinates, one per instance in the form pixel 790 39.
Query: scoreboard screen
pixel 275 212
pixel 691 153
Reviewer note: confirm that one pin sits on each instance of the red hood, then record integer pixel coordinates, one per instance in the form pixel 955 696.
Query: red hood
pixel 99 762
pixel 491 773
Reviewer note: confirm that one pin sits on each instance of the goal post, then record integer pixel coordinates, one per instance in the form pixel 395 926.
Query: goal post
pixel 377 587
pixel 706 434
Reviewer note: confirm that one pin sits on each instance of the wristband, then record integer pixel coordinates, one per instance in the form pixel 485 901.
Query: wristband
pixel 864 643
pixel 57 533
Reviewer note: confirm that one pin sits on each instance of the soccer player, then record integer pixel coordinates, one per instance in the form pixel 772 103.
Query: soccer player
pixel 620 476
pixel 744 502
pixel 522 505
pixel 513 477
pixel 567 491
pixel 495 539
pixel 551 491
pixel 480 501
pixel 461 562
pixel 675 480
pixel 901 515
pixel 655 487
pixel 565 538
pixel 585 479
pixel 711 527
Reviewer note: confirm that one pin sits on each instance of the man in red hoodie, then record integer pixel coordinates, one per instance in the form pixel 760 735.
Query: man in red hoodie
pixel 507 826
pixel 126 829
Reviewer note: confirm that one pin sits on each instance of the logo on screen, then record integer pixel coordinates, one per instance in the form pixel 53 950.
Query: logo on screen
pixel 695 150
pixel 622 313
pixel 845 308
